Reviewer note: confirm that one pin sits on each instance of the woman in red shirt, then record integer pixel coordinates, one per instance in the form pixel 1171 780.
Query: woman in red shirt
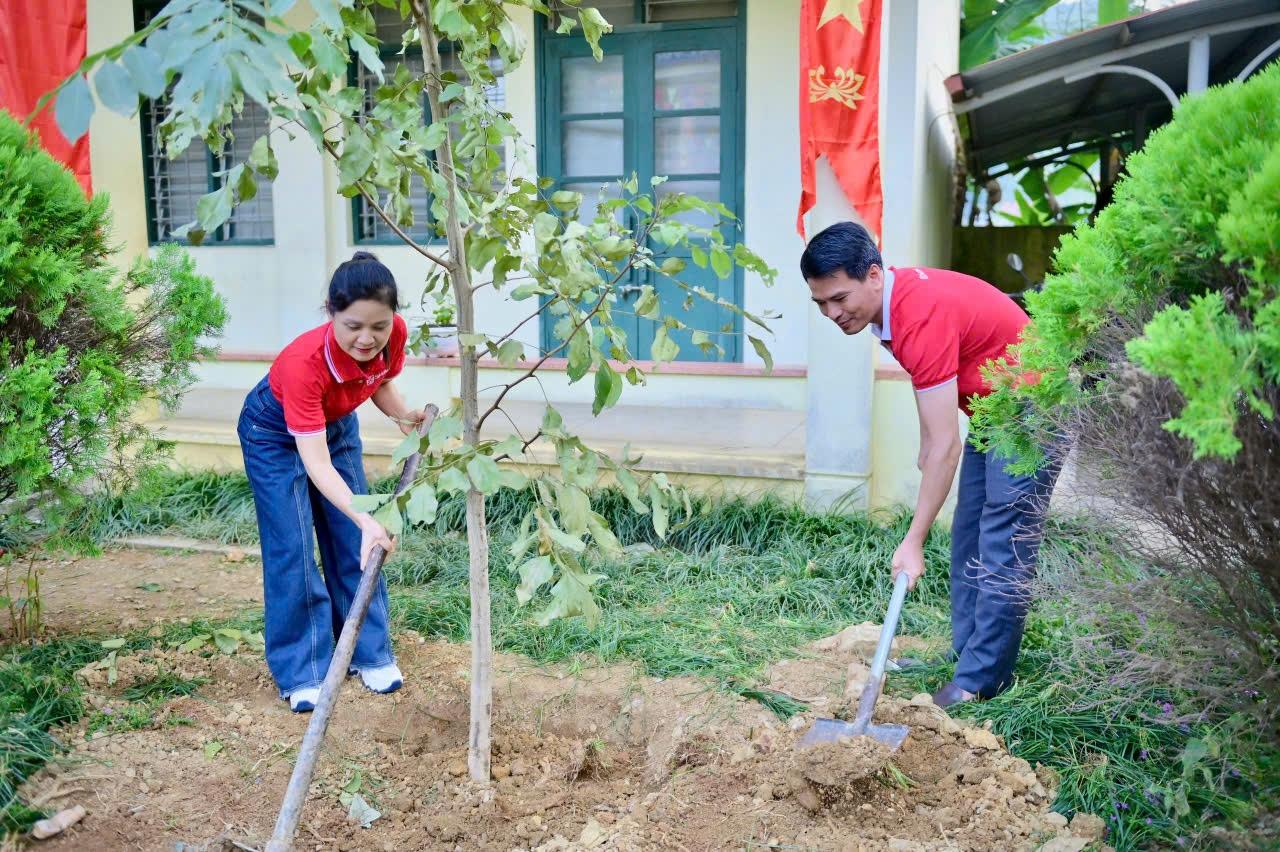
pixel 302 453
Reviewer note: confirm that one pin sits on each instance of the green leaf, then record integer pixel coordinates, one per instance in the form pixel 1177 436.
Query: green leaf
pixel 113 644
pixel 226 642
pixel 533 574
pixel 151 587
pixel 721 263
pixel 74 108
pixel 329 13
pixel 410 445
pixel 212 748
pixel 763 352
pixel 561 538
pixel 443 430
pixel 262 159
pixel 453 479
pixel 116 89
pixel 510 353
pixel 603 536
pixel 663 347
pixel 390 518
pixel 509 477
pixel 566 200
pixel 472 339
pixel 631 489
pixel 524 291
pixel 573 507
pixel 483 471
pixel 368 55
pixel 195 642
pixel 579 361
pixel 357 155
pixel 647 303
pixel 246 186
pixel 368 502
pixel 699 256
pixel 672 266
pixel 593 27
pixel 659 504
pixel 422 504
pixel 608 388
pixel 146 70
pixel 213 209
pixel 300 43
pixel 328 57
pixel 435 135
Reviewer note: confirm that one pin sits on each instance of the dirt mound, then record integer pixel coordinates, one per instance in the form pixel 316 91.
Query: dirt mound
pixel 596 759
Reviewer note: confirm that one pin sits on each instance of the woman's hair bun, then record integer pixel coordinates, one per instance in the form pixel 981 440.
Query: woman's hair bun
pixel 364 255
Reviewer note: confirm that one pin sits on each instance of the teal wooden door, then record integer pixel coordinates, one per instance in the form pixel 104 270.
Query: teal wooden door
pixel 663 102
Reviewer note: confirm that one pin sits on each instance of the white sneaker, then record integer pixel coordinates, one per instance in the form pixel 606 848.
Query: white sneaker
pixel 304 700
pixel 382 679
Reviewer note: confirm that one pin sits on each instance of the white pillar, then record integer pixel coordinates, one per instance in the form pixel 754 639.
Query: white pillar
pixel 841 369
pixel 1198 64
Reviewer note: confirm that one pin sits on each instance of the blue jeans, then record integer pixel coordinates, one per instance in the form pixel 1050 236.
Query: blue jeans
pixel 995 538
pixel 305 610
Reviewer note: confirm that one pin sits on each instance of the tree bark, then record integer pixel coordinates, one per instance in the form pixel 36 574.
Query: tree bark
pixel 478 741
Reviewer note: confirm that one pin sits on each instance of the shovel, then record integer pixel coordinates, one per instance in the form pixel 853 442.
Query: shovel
pixel 830 730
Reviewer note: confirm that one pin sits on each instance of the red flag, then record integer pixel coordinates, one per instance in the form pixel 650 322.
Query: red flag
pixel 840 102
pixel 41 43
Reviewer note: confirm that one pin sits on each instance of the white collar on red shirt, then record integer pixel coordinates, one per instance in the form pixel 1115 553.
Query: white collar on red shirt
pixel 882 332
pixel 345 368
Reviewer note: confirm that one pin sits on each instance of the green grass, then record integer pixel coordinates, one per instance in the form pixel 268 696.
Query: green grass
pixel 39 693
pixel 735 587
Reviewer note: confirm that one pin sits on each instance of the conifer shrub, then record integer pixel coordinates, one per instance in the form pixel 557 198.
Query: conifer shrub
pixel 80 344
pixel 1155 347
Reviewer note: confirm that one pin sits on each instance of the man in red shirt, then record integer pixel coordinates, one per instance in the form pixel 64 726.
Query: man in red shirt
pixel 943 327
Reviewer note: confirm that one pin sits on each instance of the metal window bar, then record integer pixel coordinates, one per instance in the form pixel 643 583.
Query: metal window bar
pixel 174 186
pixel 390 27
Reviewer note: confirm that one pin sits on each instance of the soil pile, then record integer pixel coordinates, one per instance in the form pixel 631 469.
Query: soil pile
pixel 596 759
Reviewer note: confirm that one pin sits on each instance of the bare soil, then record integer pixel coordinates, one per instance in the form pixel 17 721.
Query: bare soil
pixel 584 758
pixel 123 590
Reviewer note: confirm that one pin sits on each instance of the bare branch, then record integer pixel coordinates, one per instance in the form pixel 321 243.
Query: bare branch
pixel 533 315
pixel 382 214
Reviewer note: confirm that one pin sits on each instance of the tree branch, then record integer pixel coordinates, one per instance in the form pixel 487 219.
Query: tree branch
pixel 549 355
pixel 382 214
pixel 533 315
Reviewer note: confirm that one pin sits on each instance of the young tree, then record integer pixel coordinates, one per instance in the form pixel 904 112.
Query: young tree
pixel 510 231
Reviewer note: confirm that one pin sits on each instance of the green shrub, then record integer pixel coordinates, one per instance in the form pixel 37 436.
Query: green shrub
pixel 1157 344
pixel 1183 268
pixel 81 346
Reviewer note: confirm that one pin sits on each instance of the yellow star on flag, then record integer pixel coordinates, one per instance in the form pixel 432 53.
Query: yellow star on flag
pixel 851 10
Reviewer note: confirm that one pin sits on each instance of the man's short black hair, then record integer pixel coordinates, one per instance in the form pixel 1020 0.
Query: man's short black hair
pixel 843 246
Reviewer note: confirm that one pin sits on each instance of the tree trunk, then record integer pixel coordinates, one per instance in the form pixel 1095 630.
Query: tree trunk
pixel 477 533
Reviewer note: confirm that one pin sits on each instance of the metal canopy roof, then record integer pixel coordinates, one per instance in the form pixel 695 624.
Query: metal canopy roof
pixel 1115 81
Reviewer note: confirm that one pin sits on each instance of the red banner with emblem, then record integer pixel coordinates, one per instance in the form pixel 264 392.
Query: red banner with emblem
pixel 840 103
pixel 41 43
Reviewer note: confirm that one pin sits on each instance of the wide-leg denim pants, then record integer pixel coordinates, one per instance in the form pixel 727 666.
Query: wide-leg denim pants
pixel 995 539
pixel 305 609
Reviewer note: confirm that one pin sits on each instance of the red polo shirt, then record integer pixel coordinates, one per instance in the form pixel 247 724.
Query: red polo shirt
pixel 317 383
pixel 944 326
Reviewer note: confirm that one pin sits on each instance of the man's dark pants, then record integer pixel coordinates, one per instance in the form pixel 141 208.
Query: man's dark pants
pixel 995 538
